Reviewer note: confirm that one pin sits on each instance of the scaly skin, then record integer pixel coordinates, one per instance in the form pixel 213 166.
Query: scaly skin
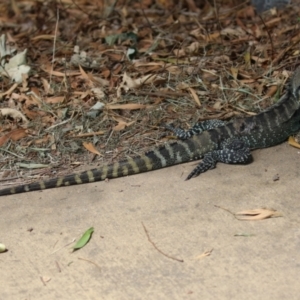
pixel 211 140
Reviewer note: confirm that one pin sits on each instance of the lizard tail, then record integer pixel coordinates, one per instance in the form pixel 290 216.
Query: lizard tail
pixel 167 155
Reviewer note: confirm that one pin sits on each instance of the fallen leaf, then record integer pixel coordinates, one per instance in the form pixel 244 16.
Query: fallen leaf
pixel 46 278
pixel 91 148
pixel 257 214
pixel 84 239
pixel 43 37
pixel 195 96
pixel 130 83
pixel 15 135
pixel 54 100
pixel 18 134
pixel 9 91
pixel 49 70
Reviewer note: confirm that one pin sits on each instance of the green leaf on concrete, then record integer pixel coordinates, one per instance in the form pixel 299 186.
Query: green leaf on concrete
pixel 84 239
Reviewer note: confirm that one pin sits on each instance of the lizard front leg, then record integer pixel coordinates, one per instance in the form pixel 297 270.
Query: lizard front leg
pixel 232 152
pixel 196 129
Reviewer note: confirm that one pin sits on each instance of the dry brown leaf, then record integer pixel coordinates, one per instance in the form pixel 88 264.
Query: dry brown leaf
pixel 47 87
pixel 259 59
pixel 271 91
pixel 54 100
pixel 212 36
pixel 179 52
pixel 165 4
pixel 173 69
pixel 49 70
pixel 43 140
pixel 217 105
pixel 106 73
pixel 84 74
pixel 195 96
pixel 257 214
pixel 154 65
pixel 98 80
pixel 130 83
pixel 122 124
pixel 182 86
pixel 90 147
pixel 32 114
pixel 238 31
pixel 43 37
pixel 115 56
pixel 193 47
pixel 15 135
pixel 18 134
pixel 4 139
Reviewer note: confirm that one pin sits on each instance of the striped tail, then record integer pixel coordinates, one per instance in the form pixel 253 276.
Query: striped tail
pixel 167 155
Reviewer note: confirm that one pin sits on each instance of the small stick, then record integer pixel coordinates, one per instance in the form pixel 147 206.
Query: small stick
pixel 149 239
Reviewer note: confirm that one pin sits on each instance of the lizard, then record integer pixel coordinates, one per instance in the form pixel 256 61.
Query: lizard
pixel 211 140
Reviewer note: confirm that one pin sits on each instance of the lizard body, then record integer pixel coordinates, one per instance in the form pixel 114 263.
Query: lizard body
pixel 213 140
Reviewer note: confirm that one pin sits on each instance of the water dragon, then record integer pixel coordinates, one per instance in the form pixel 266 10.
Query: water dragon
pixel 212 141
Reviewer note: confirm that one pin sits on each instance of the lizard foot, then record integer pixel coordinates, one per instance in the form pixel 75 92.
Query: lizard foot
pixel 234 152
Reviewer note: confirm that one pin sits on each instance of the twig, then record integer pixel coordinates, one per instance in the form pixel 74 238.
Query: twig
pixel 63 247
pixel 77 6
pixel 269 35
pixel 55 125
pixel 226 210
pixel 149 239
pixel 282 53
pixel 54 43
pixel 89 262
pixel 88 134
pixel 4 150
pixel 58 267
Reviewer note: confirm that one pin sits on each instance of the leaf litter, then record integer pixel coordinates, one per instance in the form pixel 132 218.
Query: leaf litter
pixel 146 62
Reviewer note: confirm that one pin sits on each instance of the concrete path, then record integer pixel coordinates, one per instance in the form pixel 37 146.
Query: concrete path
pixel 182 221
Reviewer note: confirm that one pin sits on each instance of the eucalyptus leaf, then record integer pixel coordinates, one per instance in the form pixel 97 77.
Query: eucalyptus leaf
pixel 84 239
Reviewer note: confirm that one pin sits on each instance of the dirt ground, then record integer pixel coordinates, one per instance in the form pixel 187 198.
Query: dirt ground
pixel 248 260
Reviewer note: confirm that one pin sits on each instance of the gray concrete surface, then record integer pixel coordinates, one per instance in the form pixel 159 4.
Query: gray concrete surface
pixel 182 221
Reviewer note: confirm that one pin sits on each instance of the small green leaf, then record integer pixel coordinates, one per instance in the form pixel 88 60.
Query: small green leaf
pixel 84 239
